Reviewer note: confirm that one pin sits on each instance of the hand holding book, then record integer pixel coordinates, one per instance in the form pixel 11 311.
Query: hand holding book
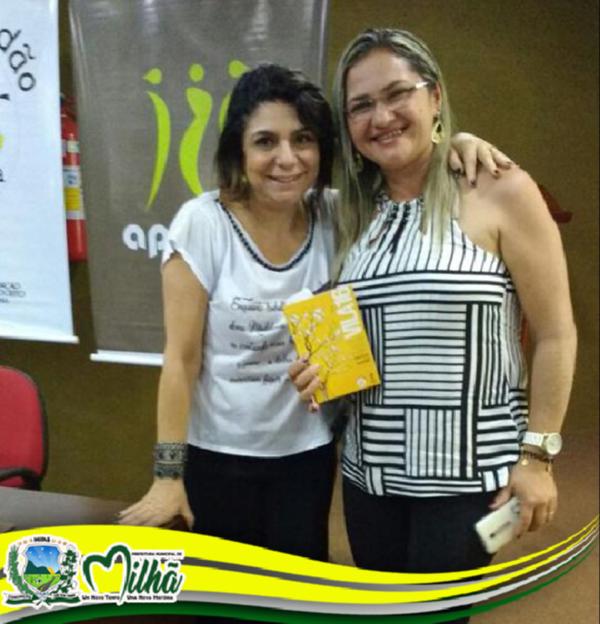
pixel 306 379
pixel 328 333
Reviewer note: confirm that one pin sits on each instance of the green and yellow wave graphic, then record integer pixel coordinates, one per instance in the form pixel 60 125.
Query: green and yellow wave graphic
pixel 242 582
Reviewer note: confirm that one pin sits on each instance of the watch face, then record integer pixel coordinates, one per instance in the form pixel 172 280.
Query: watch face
pixel 553 443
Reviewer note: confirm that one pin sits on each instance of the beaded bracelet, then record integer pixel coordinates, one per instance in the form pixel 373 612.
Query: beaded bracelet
pixel 169 460
pixel 166 471
pixel 170 452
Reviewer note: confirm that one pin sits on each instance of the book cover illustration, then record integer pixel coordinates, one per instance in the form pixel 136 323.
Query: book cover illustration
pixel 328 329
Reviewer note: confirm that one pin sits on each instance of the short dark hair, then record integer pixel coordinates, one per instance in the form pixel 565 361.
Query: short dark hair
pixel 272 83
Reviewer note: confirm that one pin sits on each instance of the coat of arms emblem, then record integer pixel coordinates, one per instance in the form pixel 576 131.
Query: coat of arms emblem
pixel 43 571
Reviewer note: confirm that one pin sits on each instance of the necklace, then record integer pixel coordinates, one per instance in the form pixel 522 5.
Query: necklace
pixel 254 253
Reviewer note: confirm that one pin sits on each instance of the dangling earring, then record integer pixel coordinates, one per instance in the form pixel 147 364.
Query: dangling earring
pixel 244 186
pixel 358 162
pixel 437 132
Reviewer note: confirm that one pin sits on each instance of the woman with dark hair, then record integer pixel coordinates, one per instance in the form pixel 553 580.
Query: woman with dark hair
pixel 259 468
pixel 441 271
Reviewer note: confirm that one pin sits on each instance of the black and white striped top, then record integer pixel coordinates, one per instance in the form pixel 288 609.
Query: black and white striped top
pixel 444 323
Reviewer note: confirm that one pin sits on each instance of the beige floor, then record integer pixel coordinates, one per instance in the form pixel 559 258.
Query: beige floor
pixel 574 598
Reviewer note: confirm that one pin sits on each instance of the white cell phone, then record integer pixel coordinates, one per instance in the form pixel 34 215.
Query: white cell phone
pixel 498 527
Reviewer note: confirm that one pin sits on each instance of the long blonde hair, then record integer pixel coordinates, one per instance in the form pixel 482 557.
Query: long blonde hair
pixel 360 186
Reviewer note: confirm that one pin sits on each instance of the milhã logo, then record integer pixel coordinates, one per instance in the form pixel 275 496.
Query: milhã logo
pixel 43 571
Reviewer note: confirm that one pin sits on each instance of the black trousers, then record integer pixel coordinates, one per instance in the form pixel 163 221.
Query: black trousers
pixel 279 503
pixel 409 534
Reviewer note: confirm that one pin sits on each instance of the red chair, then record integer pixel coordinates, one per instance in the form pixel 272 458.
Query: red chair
pixel 23 433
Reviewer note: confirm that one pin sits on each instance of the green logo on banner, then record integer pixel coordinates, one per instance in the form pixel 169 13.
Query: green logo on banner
pixel 200 103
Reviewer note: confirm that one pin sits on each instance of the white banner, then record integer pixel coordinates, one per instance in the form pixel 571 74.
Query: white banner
pixel 35 302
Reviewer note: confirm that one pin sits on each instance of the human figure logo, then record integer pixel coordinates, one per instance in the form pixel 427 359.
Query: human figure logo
pixel 200 103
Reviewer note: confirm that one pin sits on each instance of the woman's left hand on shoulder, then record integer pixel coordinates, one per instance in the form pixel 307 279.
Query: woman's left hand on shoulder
pixel 467 151
pixel 535 488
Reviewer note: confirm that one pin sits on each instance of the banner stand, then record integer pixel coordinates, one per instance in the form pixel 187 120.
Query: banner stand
pixel 127 357
pixel 12 332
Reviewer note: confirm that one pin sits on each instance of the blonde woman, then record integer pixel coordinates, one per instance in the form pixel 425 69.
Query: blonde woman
pixel 442 270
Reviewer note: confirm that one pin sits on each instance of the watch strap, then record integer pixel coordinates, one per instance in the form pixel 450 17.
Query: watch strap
pixel 533 439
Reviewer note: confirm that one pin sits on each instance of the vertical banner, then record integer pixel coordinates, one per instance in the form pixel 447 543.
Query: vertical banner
pixel 35 300
pixel 153 82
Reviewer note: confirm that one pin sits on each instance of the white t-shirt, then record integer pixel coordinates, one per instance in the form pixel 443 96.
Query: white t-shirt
pixel 244 402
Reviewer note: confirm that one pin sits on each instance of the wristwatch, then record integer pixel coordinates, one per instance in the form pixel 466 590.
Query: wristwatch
pixel 549 443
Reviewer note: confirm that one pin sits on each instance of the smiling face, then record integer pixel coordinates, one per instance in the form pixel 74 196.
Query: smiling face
pixel 397 133
pixel 281 155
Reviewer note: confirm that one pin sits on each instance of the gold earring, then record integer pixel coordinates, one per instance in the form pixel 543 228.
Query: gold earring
pixel 437 132
pixel 244 186
pixel 358 162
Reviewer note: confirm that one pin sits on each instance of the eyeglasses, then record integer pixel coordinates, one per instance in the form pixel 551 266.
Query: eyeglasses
pixel 394 100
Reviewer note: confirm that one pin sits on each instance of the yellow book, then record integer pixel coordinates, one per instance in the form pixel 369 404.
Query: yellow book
pixel 328 329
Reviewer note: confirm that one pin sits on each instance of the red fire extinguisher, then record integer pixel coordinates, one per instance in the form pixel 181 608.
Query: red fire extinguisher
pixel 76 234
